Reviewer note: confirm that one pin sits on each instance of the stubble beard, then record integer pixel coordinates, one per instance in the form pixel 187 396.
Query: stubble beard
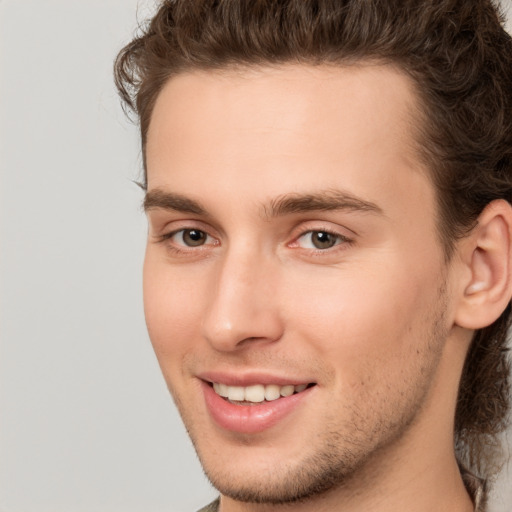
pixel 316 475
pixel 340 463
pixel 345 458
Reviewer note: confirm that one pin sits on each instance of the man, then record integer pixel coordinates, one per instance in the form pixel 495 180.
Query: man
pixel 327 280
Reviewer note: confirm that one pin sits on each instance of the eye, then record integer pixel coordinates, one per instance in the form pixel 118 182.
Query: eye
pixel 190 237
pixel 319 240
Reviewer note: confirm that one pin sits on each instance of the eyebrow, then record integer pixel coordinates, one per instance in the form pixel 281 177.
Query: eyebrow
pixel 324 200
pixel 171 201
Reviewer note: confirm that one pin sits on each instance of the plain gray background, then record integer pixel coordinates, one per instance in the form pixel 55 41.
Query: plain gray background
pixel 86 422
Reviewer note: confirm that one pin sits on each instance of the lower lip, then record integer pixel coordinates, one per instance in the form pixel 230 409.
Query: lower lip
pixel 250 419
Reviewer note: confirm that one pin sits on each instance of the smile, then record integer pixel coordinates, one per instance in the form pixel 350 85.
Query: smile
pixel 254 408
pixel 256 393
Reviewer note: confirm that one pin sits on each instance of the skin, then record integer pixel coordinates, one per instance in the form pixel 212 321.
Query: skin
pixel 371 321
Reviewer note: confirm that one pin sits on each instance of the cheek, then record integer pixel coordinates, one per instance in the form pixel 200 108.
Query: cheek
pixel 363 320
pixel 172 307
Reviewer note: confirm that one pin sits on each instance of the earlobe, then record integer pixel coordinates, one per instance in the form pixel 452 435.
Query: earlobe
pixel 488 255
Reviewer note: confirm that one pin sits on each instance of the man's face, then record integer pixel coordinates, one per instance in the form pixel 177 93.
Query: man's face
pixel 293 248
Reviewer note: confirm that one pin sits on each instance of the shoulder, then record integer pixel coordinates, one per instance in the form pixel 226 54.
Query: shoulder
pixel 212 507
pixel 476 488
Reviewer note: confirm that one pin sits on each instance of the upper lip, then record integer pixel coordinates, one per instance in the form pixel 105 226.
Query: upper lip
pixel 250 378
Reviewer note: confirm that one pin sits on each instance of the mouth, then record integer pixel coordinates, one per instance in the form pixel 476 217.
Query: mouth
pixel 256 393
pixel 261 404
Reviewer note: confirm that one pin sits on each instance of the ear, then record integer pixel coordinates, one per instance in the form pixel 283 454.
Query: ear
pixel 486 253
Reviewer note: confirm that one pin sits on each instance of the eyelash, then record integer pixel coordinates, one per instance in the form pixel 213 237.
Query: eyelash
pixel 182 249
pixel 341 240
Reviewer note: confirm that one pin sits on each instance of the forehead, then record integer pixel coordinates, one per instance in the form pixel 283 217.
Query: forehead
pixel 310 89
pixel 274 130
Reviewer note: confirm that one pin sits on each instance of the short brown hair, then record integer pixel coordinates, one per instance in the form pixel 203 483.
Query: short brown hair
pixel 460 59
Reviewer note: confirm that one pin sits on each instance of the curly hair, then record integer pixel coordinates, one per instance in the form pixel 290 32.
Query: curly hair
pixel 459 58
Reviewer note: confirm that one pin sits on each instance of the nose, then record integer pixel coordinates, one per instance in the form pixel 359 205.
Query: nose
pixel 243 305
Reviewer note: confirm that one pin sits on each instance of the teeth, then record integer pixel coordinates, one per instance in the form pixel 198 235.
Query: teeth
pixel 272 392
pixel 236 393
pixel 256 393
pixel 287 390
pixel 221 389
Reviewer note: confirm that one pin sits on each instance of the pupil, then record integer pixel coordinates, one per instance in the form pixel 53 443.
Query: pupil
pixel 323 240
pixel 194 237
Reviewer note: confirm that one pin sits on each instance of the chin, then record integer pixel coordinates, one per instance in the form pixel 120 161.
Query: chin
pixel 270 480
